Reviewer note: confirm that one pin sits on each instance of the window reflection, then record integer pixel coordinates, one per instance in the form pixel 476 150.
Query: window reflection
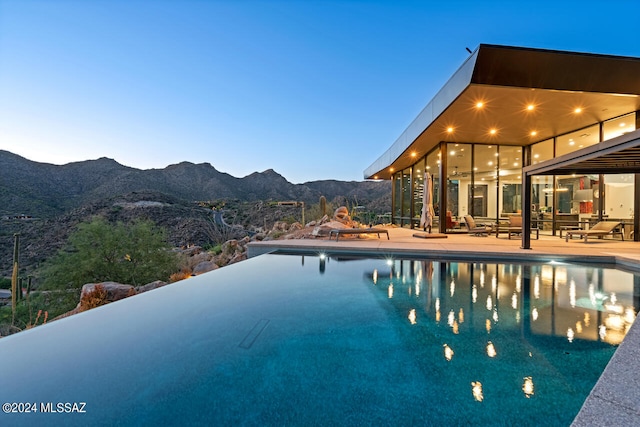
pixel 550 307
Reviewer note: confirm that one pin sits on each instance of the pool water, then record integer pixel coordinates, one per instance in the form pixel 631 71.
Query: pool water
pixel 314 340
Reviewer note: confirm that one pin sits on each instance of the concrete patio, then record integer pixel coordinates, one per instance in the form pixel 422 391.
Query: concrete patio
pixel 615 399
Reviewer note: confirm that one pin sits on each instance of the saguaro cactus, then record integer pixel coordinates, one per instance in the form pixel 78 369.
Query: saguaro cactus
pixel 323 205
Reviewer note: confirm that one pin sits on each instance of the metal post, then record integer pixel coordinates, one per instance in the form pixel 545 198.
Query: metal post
pixel 14 276
pixel 442 176
pixel 526 201
pixel 636 208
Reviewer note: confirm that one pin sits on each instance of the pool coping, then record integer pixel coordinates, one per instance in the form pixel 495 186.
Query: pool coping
pixel 615 399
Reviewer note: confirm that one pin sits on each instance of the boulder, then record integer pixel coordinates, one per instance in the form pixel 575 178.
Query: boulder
pixel 280 226
pixel 230 246
pixel 150 286
pixel 204 267
pixel 237 258
pixel 114 291
pixel 341 214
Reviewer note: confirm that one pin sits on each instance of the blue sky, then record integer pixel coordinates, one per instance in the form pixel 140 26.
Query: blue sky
pixel 312 89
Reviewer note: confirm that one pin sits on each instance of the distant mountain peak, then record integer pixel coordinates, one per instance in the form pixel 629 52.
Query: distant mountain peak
pixel 43 189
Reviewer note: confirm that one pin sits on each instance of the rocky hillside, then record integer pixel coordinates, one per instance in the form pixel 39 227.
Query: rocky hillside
pixel 54 199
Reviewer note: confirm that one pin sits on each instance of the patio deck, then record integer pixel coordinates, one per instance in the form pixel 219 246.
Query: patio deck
pixel 615 399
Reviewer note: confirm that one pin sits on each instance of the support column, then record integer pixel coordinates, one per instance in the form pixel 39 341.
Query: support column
pixel 636 207
pixel 412 191
pixel 526 199
pixel 526 211
pixel 442 176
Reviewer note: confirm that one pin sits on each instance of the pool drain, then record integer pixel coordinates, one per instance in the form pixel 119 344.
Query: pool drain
pixel 255 332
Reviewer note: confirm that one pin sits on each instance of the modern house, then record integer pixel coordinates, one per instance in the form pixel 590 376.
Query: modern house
pixel 549 135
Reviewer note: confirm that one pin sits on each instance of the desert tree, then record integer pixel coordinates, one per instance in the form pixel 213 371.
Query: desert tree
pixel 98 251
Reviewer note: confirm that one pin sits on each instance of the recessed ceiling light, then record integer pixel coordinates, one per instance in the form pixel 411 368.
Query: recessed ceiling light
pixel 413 154
pixel 479 104
pixel 493 131
pixel 490 163
pixel 450 129
pixel 622 125
pixel 535 156
pixel 530 107
pixel 452 153
pixel 534 133
pixel 571 142
pixel 578 110
pixel 515 163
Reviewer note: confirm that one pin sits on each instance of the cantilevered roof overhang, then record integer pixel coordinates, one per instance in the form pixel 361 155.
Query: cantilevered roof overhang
pixel 507 80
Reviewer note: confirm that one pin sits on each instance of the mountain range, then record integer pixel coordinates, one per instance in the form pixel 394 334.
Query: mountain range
pixel 47 190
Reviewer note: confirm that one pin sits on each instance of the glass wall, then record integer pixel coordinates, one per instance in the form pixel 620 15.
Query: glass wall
pixel 510 175
pixel 433 167
pixel 406 197
pixel 542 151
pixel 542 202
pixel 576 140
pixel 397 197
pixel 619 126
pixel 483 192
pixel 459 176
pixel 619 193
pixel 485 181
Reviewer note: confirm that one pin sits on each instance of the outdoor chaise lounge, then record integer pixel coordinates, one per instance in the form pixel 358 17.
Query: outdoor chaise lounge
pixel 515 227
pixel 603 228
pixel 340 231
pixel 476 230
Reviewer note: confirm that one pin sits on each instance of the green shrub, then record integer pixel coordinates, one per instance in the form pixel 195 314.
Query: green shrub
pixel 98 251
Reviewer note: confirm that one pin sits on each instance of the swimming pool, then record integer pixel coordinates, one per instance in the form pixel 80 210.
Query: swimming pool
pixel 315 340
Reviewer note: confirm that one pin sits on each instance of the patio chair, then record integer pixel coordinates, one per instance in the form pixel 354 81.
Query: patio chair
pixel 476 230
pixel 601 229
pixel 450 223
pixel 515 227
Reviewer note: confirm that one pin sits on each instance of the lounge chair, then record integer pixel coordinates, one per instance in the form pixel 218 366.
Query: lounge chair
pixel 515 227
pixel 342 231
pixel 603 228
pixel 476 230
